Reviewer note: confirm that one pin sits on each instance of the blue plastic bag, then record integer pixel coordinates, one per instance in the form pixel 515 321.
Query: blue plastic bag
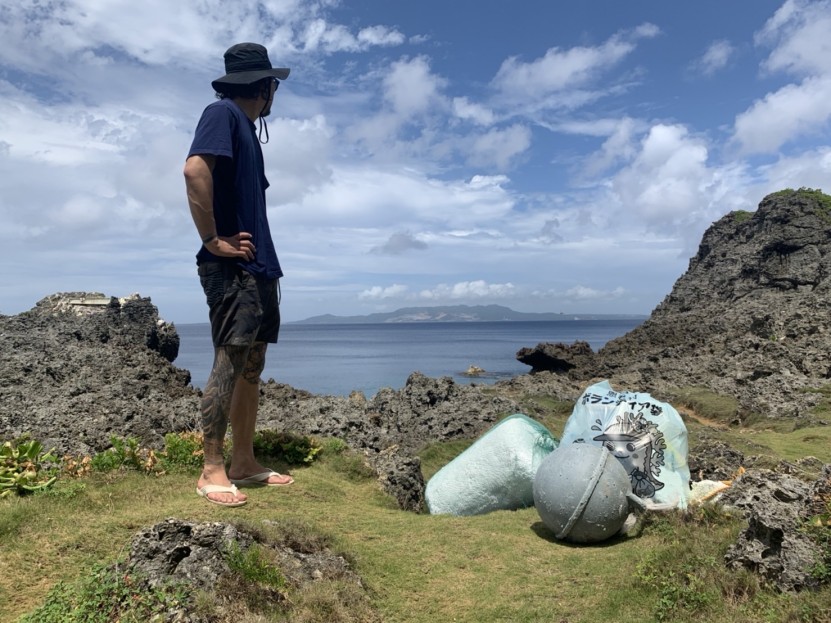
pixel 495 473
pixel 647 436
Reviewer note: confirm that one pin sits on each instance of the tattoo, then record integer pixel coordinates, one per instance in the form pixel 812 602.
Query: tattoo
pixel 255 363
pixel 216 399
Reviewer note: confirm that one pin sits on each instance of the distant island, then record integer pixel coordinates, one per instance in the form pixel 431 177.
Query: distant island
pixel 459 313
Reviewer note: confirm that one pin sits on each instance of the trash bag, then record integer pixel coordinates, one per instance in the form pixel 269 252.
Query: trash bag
pixel 646 435
pixel 496 472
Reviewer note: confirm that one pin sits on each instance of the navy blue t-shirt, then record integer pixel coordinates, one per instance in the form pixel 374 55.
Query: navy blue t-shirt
pixel 239 181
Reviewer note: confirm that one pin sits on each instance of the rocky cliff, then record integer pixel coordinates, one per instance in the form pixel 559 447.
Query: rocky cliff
pixel 81 367
pixel 749 318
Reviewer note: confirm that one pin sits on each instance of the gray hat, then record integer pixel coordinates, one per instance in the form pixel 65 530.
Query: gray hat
pixel 246 63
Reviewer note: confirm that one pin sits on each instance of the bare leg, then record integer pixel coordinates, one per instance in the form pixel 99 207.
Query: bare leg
pixel 216 407
pixel 244 405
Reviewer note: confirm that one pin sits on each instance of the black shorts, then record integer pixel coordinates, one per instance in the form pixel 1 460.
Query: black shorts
pixel 243 309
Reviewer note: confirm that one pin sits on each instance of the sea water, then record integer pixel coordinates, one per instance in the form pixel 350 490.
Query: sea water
pixel 336 359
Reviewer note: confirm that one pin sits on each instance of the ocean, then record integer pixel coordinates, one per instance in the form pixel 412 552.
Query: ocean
pixel 336 359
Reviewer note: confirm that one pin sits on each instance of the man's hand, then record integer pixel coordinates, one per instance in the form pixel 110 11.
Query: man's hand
pixel 239 245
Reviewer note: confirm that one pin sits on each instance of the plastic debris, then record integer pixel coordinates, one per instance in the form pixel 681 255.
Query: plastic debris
pixel 495 473
pixel 647 436
pixel 583 494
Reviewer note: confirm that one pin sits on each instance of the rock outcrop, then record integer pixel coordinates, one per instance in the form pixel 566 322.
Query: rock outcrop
pixel 748 319
pixel 197 555
pixel 775 543
pixel 81 367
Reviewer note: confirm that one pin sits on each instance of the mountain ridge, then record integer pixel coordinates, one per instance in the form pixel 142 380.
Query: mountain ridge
pixel 457 313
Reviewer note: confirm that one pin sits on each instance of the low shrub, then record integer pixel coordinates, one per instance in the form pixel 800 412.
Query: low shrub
pixel 25 467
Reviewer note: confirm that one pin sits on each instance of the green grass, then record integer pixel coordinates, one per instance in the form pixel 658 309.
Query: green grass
pixel 740 216
pixel 503 566
pixel 822 200
pixel 707 404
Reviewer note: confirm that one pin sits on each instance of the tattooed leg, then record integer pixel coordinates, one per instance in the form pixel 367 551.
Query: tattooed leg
pixel 228 366
pixel 244 417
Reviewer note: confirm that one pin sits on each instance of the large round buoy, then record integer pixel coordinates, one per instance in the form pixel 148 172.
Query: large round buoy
pixel 582 493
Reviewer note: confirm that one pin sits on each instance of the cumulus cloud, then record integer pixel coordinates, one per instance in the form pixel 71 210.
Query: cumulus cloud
pixel 319 34
pixel 469 290
pixel 584 293
pixel 377 293
pixel 798 35
pixel 410 86
pixel 620 146
pixel 794 110
pixel 664 182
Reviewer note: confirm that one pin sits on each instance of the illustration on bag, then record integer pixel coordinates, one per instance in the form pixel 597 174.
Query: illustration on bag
pixel 639 446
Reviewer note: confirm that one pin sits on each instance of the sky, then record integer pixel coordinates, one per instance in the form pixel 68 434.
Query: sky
pixel 546 156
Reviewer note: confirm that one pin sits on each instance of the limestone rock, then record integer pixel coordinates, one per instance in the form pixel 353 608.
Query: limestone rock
pixel 748 318
pixel 774 544
pixel 560 358
pixel 82 367
pixel 400 476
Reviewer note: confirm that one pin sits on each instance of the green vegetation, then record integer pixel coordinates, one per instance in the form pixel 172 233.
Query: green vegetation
pixel 25 467
pixel 290 448
pixel 741 216
pixel 103 596
pixel 503 566
pixel 815 194
pixel 708 404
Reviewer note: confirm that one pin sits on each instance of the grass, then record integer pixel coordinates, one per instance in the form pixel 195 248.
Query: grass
pixel 503 566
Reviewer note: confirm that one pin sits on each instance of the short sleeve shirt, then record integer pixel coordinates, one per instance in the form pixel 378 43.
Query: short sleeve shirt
pixel 239 184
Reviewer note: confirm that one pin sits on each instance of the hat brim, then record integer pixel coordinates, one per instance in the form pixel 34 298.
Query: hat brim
pixel 250 77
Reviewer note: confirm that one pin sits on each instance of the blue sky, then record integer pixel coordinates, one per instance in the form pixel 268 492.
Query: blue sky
pixel 558 157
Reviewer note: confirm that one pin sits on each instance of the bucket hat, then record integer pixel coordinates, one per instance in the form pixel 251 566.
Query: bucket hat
pixel 246 63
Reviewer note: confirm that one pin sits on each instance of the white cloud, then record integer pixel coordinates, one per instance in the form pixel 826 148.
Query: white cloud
pixel 499 147
pixel 468 290
pixel 799 33
pixel 810 169
pixel 716 57
pixel 465 109
pixel 584 293
pixel 380 35
pixel 330 38
pixel 668 184
pixel 410 87
pixel 378 293
pixel 618 147
pixel 794 110
pixel 565 70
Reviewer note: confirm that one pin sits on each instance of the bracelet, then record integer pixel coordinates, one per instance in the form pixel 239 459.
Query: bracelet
pixel 209 239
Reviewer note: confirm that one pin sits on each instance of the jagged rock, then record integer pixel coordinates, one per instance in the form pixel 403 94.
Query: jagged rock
pixel 392 426
pixel 748 318
pixel 775 544
pixel 424 411
pixel 184 551
pixel 400 476
pixel 197 554
pixel 711 459
pixel 560 358
pixel 81 367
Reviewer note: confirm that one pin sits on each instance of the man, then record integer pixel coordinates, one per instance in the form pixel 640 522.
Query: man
pixel 237 265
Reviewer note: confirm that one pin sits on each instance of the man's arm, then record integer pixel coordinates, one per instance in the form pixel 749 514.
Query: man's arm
pixel 200 188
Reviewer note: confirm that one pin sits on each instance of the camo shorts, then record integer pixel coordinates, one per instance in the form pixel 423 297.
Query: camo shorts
pixel 242 308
